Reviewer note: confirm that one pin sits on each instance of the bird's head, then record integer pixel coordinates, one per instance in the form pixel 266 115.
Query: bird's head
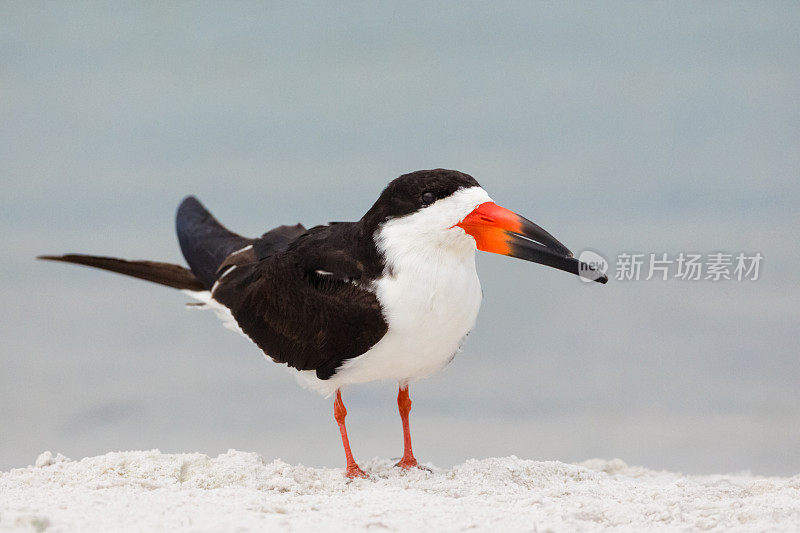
pixel 446 211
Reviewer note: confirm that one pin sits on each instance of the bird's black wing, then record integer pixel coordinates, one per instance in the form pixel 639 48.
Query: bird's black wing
pixel 210 248
pixel 272 242
pixel 205 242
pixel 309 305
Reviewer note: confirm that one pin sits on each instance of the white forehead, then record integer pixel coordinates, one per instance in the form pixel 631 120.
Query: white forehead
pixel 458 205
pixel 444 212
pixel 434 220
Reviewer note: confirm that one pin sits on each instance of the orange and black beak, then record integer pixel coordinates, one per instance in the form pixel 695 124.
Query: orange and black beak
pixel 500 231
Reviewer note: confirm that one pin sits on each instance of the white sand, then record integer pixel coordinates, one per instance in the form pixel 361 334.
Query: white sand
pixel 238 491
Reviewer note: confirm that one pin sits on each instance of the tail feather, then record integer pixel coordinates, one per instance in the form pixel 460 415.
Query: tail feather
pixel 167 274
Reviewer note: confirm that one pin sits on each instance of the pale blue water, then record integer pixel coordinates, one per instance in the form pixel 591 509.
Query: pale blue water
pixel 619 127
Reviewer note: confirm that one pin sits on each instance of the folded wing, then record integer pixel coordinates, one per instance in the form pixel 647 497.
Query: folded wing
pixel 209 247
pixel 307 306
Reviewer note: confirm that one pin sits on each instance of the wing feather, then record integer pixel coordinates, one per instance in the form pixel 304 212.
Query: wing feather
pixel 309 321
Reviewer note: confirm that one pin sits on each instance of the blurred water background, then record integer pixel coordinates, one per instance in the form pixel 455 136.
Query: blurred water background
pixel 621 127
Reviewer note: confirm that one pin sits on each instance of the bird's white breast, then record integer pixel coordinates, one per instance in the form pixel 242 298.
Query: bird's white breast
pixel 430 295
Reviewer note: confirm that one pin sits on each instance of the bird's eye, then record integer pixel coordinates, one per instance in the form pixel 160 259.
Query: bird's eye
pixel 428 198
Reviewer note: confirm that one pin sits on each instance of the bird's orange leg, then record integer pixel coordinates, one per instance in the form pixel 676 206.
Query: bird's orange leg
pixel 339 412
pixel 404 406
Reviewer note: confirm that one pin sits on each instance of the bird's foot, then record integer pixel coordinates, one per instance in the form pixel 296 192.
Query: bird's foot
pixel 354 471
pixel 407 463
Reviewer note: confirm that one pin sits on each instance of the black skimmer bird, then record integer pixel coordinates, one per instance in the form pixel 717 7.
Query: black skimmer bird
pixel 391 296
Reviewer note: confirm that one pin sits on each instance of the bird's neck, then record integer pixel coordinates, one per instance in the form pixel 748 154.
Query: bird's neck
pixel 410 251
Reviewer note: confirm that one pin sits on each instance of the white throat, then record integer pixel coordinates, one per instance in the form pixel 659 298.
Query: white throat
pixel 426 241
